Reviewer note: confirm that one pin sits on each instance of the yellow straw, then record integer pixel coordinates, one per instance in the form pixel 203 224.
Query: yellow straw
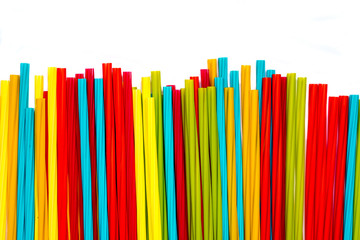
pixel 14 88
pixel 231 165
pixel 52 159
pixel 255 164
pixel 212 66
pixel 42 230
pixel 39 85
pixel 139 165
pixel 4 118
pixel 245 114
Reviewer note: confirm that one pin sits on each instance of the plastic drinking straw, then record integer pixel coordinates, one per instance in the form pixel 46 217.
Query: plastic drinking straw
pixel 223 70
pixel 340 168
pixel 73 181
pixel 152 185
pixel 320 163
pixel 187 162
pixel 283 149
pixel 130 155
pixel 110 151
pixel 310 162
pixel 4 124
pixel 333 125
pixel 85 159
pixel 356 224
pixel 120 154
pixel 139 165
pixel 23 104
pixel 195 177
pixel 215 163
pixel 181 198
pixel 205 173
pixel 265 190
pixel 212 66
pixel 169 162
pixel 278 160
pixel 234 83
pixel 260 74
pixel 350 166
pixel 205 80
pixel 156 93
pixel 255 163
pixel 100 157
pixel 231 162
pixel 245 114
pixel 29 174
pixel 300 156
pixel 62 152
pixel 219 83
pixel 89 75
pixel 43 232
pixel 14 86
pixel 290 155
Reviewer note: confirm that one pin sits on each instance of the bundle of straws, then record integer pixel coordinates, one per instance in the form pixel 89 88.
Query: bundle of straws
pixel 100 159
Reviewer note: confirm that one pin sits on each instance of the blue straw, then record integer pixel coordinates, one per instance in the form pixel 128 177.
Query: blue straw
pixel 234 83
pixel 269 74
pixel 100 156
pixel 85 159
pixel 223 70
pixel 350 166
pixel 220 109
pixel 23 104
pixel 260 74
pixel 169 163
pixel 29 174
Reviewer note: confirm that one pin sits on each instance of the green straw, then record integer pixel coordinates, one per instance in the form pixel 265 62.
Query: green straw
pixel 215 164
pixel 290 155
pixel 205 164
pixel 300 157
pixel 156 93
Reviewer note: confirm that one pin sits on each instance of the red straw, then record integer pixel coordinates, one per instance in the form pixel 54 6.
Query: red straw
pixel 181 199
pixel 278 159
pixel 205 80
pixel 265 159
pixel 120 153
pixel 283 163
pixel 62 152
pixel 333 127
pixel 89 75
pixel 130 155
pixel 310 162
pixel 340 168
pixel 78 155
pixel 45 94
pixel 72 162
pixel 320 199
pixel 110 151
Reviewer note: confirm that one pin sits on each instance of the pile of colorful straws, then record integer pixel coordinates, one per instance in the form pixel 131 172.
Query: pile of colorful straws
pixel 100 159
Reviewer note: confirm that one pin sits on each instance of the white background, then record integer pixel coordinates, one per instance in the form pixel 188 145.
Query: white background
pixel 316 40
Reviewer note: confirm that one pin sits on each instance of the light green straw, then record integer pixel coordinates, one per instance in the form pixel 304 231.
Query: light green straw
pixel 156 93
pixel 300 156
pixel 205 164
pixel 356 233
pixel 215 163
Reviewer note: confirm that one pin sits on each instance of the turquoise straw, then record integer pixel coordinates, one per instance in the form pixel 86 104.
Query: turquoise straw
pixel 220 109
pixel 350 166
pixel 223 70
pixel 100 157
pixel 269 74
pixel 23 104
pixel 169 163
pixel 29 174
pixel 85 159
pixel 260 74
pixel 234 83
